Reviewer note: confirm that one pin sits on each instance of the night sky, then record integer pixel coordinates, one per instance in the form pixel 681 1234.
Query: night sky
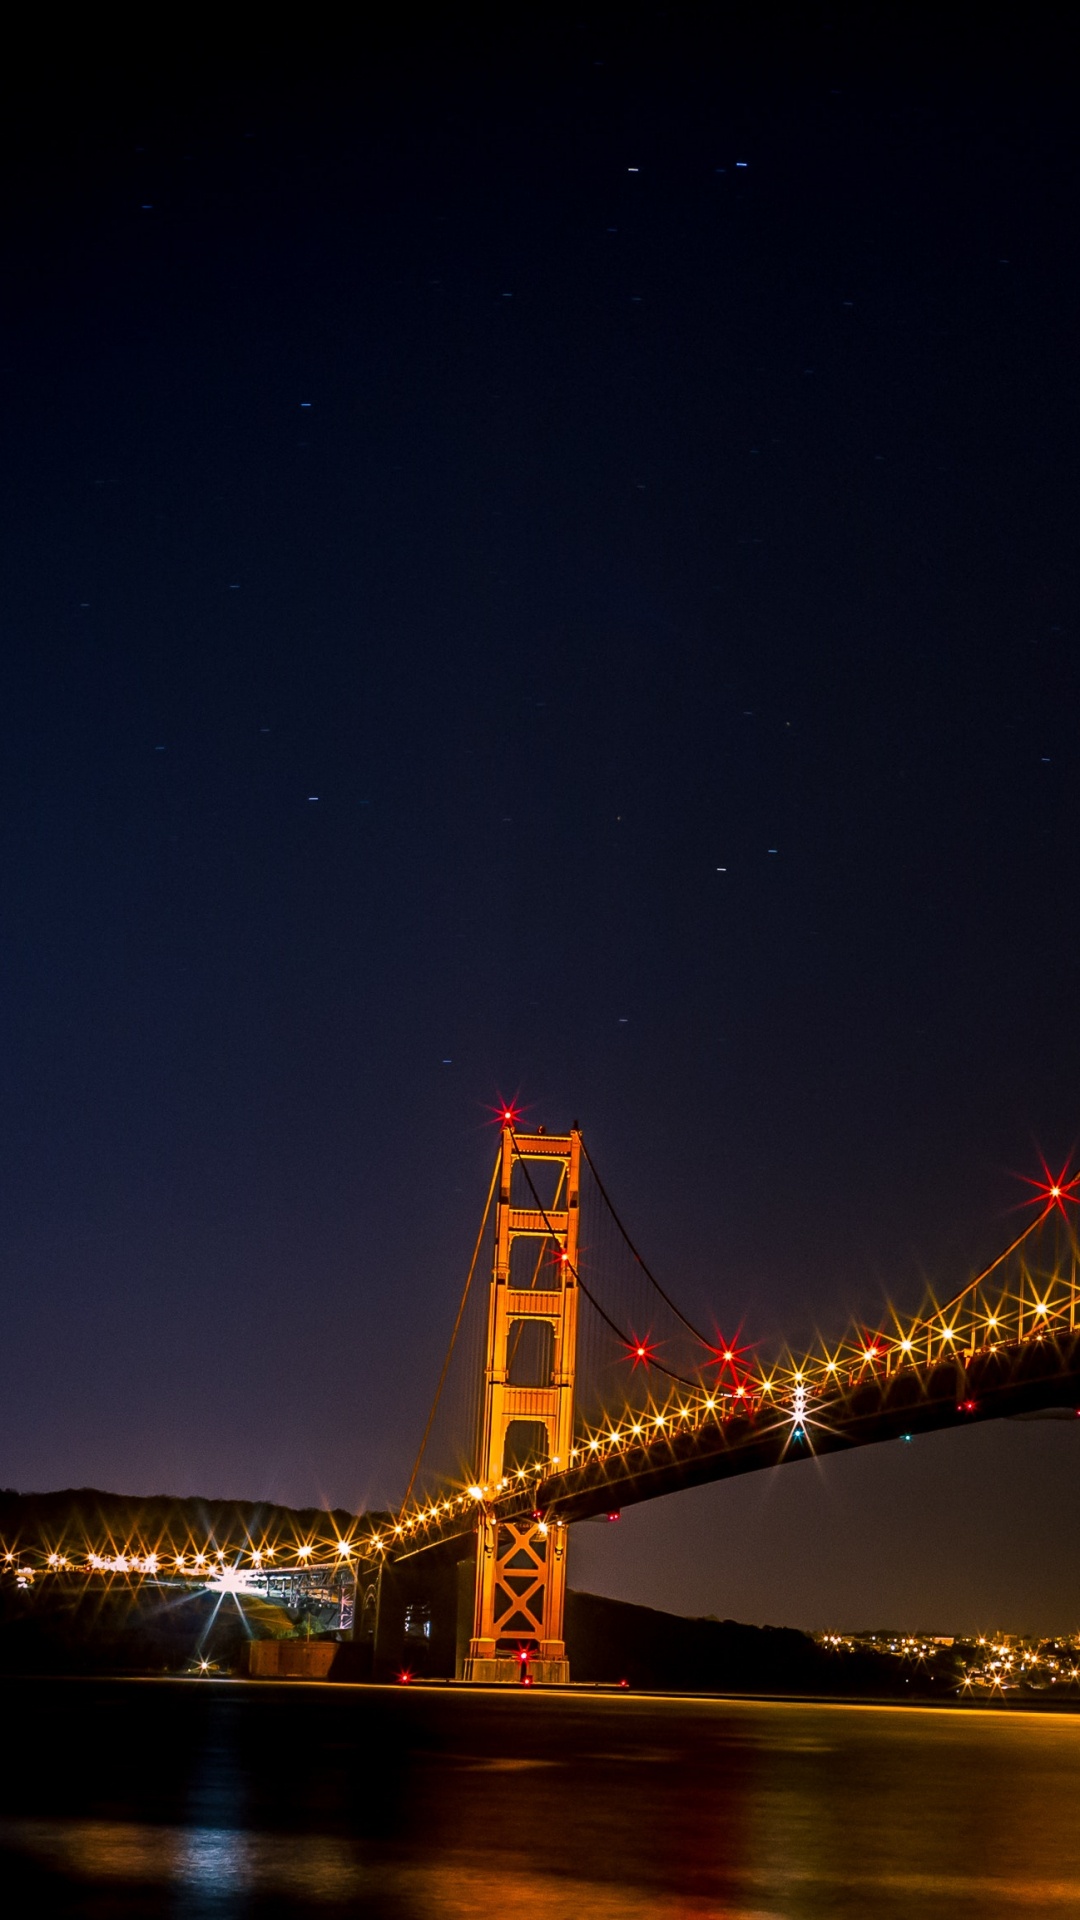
pixel 538 561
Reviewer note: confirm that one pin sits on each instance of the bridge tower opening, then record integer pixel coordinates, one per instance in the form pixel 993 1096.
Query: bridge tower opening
pixel 527 1408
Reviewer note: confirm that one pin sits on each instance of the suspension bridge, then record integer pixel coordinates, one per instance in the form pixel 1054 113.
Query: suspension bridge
pixel 575 1385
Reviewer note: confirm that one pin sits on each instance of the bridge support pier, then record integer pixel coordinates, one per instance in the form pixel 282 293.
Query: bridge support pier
pixel 528 1409
pixel 520 1600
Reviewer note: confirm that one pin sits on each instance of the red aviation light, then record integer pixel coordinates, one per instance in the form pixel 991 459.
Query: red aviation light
pixel 1054 1189
pixel 640 1352
pixel 731 1355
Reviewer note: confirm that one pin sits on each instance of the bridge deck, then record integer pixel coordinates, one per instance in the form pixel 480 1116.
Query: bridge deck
pixel 696 1449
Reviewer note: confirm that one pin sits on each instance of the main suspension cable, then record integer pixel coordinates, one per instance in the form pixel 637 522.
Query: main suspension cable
pixel 626 1339
pixel 650 1276
pixel 948 1306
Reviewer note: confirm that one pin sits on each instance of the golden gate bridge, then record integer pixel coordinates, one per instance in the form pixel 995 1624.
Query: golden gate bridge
pixel 575 1385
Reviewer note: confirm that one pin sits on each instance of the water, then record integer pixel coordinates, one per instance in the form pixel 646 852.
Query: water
pixel 193 1798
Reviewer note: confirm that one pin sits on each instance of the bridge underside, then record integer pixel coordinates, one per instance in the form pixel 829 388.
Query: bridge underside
pixel 993 1385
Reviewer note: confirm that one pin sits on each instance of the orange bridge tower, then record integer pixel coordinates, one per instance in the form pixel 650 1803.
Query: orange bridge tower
pixel 527 1410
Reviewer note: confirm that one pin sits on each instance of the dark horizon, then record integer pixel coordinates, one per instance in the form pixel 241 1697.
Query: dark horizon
pixel 541 564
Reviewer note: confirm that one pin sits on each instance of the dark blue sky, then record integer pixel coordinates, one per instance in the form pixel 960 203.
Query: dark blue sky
pixel 462 494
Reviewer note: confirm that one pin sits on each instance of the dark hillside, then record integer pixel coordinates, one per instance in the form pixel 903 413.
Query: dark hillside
pixel 60 1623
pixel 609 1640
pixel 78 1518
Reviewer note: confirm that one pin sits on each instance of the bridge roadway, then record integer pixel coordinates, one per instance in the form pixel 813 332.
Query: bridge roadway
pixel 698 1447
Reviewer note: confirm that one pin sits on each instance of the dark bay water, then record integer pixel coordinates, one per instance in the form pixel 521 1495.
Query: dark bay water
pixel 219 1798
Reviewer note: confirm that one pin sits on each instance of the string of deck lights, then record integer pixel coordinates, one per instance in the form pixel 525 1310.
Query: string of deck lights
pixel 787 1393
pixel 166 1561
pixel 795 1393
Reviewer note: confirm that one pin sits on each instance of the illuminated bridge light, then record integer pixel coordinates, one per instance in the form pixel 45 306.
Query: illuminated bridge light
pixel 230 1580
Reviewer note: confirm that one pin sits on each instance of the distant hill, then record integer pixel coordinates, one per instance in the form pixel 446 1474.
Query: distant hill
pixel 61 1625
pixel 611 1640
pixel 79 1517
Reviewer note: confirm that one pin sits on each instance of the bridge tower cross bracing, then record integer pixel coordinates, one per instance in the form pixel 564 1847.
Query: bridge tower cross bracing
pixel 520 1593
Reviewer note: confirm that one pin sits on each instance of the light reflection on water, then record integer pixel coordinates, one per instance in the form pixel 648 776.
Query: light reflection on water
pixel 316 1871
pixel 297 1800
